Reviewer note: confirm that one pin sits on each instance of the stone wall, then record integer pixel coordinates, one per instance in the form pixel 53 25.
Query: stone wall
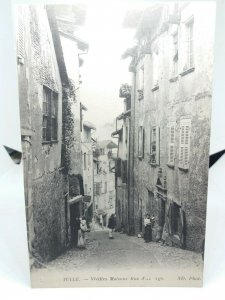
pixel 187 96
pixel 47 184
pixel 49 215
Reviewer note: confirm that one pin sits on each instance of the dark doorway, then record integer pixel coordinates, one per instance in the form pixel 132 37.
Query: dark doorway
pixel 150 205
pixel 140 215
pixel 162 211
pixel 74 222
pixel 176 219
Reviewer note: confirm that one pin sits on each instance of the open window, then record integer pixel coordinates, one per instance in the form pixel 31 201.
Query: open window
pixel 155 146
pixel 140 142
pixel 50 115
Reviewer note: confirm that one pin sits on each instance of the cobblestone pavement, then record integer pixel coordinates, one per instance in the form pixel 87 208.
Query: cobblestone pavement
pixel 123 252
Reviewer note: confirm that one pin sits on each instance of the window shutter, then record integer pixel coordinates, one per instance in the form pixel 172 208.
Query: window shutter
pixel 118 167
pixel 157 145
pixel 184 150
pixel 20 35
pixel 171 145
pixel 140 142
pixel 143 142
pixel 124 171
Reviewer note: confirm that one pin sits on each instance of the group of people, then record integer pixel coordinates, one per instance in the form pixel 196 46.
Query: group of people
pixel 83 228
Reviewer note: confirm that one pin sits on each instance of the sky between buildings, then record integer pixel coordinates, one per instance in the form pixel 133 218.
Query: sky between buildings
pixel 103 70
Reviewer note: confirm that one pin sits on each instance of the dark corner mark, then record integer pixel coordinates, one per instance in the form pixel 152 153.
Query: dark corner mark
pixel 15 155
pixel 214 157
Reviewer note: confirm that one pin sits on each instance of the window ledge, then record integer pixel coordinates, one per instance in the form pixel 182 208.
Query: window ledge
pixel 182 168
pixel 153 164
pixel 173 79
pixel 49 142
pixel 187 71
pixel 170 166
pixel 20 60
pixel 140 157
pixel 155 88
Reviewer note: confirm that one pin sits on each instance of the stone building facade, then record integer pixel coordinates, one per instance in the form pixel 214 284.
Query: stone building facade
pixel 48 93
pixel 170 122
pixel 104 179
pixel 122 160
pixel 88 168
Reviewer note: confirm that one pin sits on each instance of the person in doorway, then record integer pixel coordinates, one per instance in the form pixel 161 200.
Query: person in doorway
pixel 82 231
pixel 112 225
pixel 147 229
pixel 165 234
pixel 101 221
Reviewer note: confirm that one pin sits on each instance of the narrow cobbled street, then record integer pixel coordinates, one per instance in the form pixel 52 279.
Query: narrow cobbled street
pixel 123 252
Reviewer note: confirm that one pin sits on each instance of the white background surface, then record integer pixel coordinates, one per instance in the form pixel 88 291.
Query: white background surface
pixel 14 270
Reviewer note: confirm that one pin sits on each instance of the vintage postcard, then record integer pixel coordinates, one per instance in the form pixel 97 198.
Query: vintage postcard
pixel 115 105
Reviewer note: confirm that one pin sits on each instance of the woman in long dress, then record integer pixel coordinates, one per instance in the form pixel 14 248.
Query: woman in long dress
pixel 112 225
pixel 83 229
pixel 148 229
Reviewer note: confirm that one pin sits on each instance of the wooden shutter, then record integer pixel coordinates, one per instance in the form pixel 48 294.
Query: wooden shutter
pixel 184 149
pixel 143 142
pixel 157 145
pixel 140 142
pixel 118 167
pixel 171 144
pixel 124 171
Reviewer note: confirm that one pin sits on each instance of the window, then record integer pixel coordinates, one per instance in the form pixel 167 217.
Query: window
pixel 184 148
pixel 85 189
pixel 95 189
pixel 105 187
pixel 126 134
pixel 154 145
pixel 155 57
pixel 102 151
pixel 89 158
pixel 118 167
pixel 140 142
pixel 98 188
pixel 85 161
pixel 124 171
pixel 171 144
pixel 141 83
pixel 175 55
pixel 50 114
pixel 190 48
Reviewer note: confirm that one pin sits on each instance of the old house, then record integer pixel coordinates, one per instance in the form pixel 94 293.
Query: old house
pixel 170 121
pixel 122 161
pixel 48 77
pixel 104 179
pixel 88 167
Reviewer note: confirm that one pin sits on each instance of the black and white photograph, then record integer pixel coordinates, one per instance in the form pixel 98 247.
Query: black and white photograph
pixel 115 112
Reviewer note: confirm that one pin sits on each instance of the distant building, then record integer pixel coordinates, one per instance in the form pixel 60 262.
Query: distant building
pixel 122 161
pixel 88 169
pixel 50 126
pixel 169 123
pixel 104 179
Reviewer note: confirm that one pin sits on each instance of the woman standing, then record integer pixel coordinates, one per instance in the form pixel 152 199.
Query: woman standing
pixel 83 229
pixel 148 229
pixel 112 225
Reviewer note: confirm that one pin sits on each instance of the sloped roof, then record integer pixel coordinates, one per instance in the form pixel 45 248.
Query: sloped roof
pixel 89 125
pixel 106 144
